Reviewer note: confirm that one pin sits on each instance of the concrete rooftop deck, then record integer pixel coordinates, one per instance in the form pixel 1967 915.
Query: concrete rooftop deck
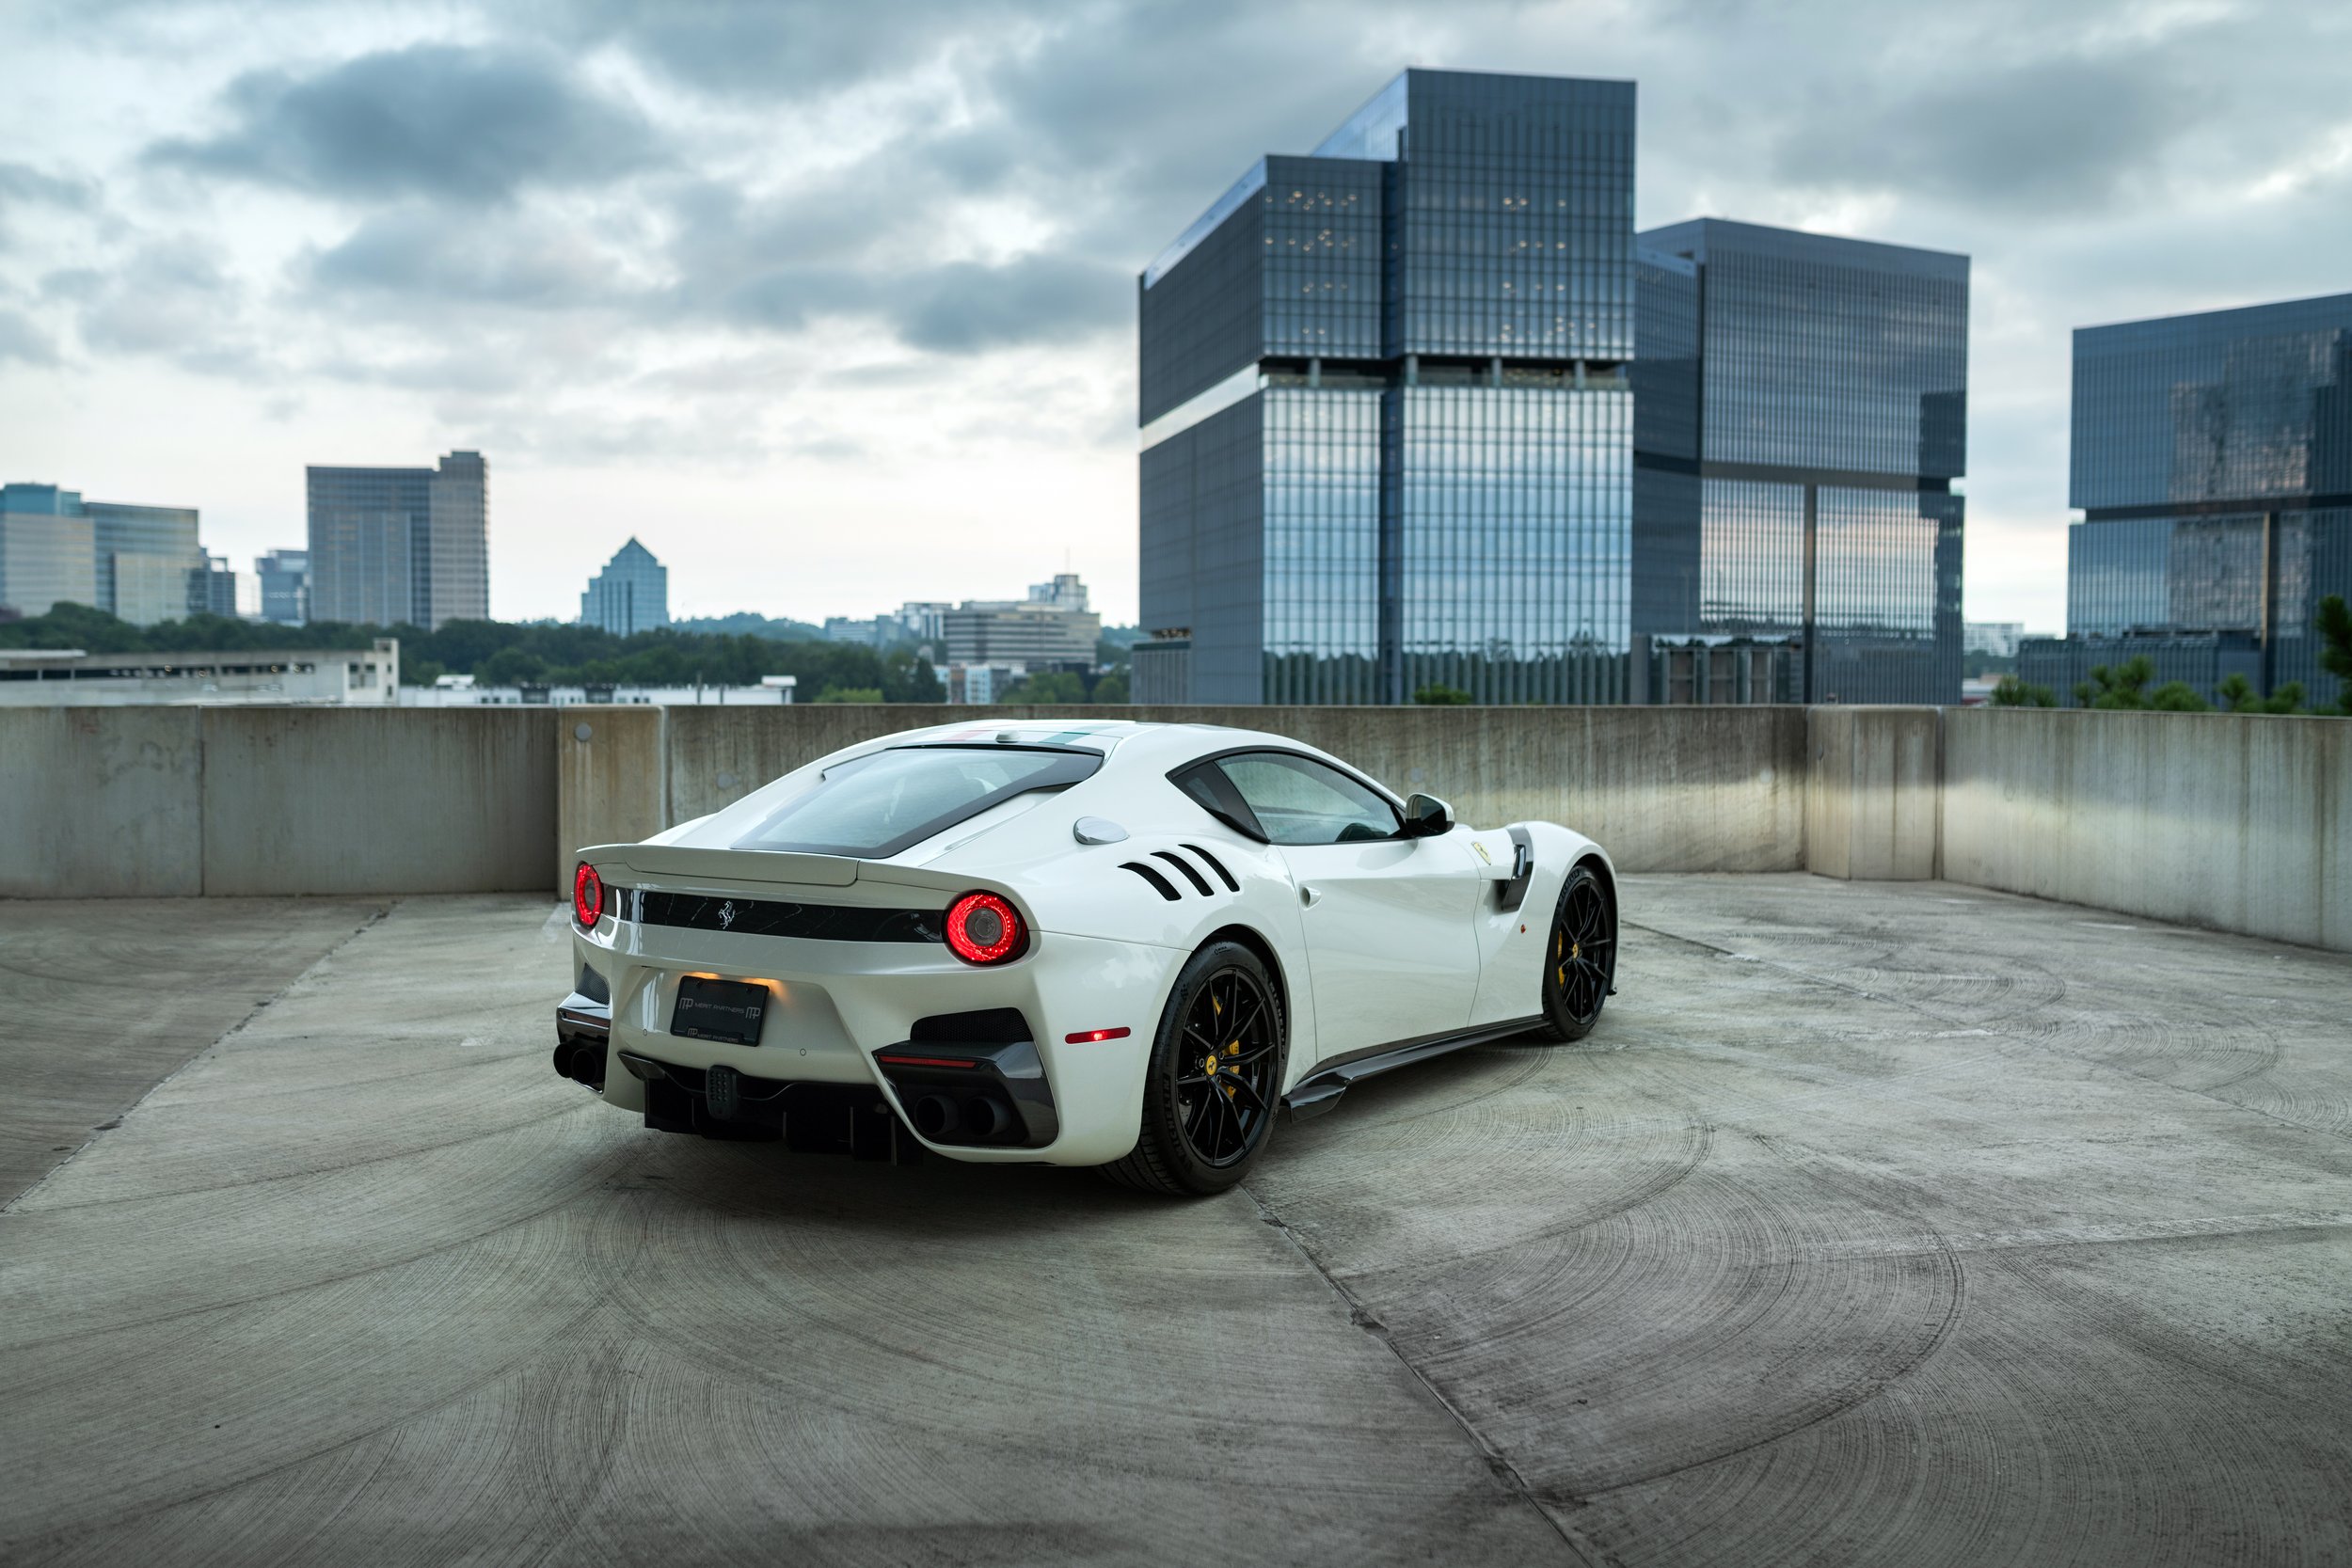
pixel 1878 1223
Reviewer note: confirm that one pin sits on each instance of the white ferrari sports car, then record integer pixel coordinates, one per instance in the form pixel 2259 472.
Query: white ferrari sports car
pixel 1116 944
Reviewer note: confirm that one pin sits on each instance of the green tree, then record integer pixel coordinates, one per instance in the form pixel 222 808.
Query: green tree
pixel 2178 697
pixel 2009 691
pixel 1046 686
pixel 2117 686
pixel 1109 688
pixel 850 694
pixel 2238 695
pixel 1438 694
pixel 2335 653
pixel 511 667
pixel 907 678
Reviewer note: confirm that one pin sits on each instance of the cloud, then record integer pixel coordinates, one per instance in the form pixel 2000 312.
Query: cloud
pixel 763 49
pixel 436 256
pixel 23 186
pixel 467 125
pixel 967 307
pixel 22 340
pixel 2055 136
pixel 23 183
pixel 171 297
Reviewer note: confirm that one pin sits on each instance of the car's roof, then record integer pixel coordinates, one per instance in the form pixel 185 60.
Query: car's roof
pixel 1129 746
pixel 1148 741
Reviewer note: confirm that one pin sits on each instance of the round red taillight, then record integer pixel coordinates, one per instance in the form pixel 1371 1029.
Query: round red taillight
pixel 982 929
pixel 587 894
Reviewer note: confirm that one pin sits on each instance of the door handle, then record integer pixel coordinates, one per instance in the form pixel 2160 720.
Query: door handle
pixel 1308 897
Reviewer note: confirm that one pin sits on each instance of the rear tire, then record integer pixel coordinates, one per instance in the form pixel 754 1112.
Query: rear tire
pixel 1580 956
pixel 1215 1079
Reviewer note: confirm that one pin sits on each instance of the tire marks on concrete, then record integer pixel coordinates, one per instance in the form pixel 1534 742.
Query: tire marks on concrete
pixel 312 1311
pixel 1957 1272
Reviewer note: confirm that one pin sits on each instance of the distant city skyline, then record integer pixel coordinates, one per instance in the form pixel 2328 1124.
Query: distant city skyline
pixel 852 373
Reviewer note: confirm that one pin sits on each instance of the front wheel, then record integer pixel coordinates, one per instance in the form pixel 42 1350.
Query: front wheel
pixel 1580 956
pixel 1215 1077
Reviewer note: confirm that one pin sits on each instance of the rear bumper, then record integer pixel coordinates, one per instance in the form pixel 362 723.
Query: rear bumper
pixel 841 1006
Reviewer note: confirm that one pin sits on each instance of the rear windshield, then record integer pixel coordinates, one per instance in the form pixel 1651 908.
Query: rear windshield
pixel 874 806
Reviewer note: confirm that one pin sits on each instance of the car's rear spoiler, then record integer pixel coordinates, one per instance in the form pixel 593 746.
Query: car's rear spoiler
pixel 733 865
pixel 762 866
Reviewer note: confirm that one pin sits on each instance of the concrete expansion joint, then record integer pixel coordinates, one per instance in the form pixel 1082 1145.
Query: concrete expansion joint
pixel 112 1123
pixel 1497 1464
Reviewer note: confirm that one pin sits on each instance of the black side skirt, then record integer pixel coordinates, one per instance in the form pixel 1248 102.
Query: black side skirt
pixel 1321 1089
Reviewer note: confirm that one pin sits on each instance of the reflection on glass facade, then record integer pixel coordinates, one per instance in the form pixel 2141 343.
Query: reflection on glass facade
pixel 1387 432
pixel 1321 569
pixel 1801 412
pixel 2213 462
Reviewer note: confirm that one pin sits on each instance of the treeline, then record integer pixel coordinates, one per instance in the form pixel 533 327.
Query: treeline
pixel 497 653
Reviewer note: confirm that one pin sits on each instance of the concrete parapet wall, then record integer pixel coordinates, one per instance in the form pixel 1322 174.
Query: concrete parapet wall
pixel 611 780
pixel 346 800
pixel 2234 821
pixel 1872 780
pixel 102 802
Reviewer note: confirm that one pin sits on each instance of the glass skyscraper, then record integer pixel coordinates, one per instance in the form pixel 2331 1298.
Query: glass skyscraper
pixel 1387 428
pixel 2213 464
pixel 394 544
pixel 1800 415
pixel 285 586
pixel 632 594
pixel 142 563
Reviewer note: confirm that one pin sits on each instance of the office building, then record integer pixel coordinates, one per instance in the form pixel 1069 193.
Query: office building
pixel 1997 638
pixel 917 621
pixel 2212 460
pixel 47 553
pixel 150 564
pixel 1800 416
pixel 1051 629
pixel 140 562
pixel 222 589
pixel 632 594
pixel 285 576
pixel 400 544
pixel 1387 434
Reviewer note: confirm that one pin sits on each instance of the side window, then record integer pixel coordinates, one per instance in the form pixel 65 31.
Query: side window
pixel 1302 801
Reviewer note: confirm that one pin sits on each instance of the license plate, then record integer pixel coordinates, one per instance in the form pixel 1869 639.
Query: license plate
pixel 727 1010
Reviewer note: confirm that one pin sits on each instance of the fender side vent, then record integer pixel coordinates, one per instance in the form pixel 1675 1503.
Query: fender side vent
pixel 1217 865
pixel 1160 884
pixel 1183 866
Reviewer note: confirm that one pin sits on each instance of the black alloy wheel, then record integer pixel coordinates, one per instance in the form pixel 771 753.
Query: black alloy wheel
pixel 1580 956
pixel 1215 1079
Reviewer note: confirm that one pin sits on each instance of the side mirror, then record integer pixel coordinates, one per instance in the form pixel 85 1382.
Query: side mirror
pixel 1427 817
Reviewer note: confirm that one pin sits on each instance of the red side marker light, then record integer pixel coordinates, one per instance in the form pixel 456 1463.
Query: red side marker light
pixel 982 929
pixel 1087 1036
pixel 587 894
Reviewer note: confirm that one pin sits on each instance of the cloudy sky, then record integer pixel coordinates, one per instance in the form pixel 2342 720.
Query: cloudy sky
pixel 833 303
